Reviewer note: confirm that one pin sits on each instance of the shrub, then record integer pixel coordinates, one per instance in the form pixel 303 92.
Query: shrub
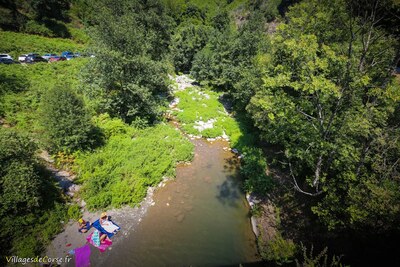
pixel 279 250
pixel 65 120
pixel 74 212
pixel 35 27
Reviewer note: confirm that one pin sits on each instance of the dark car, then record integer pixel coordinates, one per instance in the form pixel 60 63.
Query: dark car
pixel 68 55
pixel 34 59
pixel 4 60
pixel 48 56
pixel 57 58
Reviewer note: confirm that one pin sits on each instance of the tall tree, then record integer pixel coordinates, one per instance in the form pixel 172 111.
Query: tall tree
pixel 130 40
pixel 327 98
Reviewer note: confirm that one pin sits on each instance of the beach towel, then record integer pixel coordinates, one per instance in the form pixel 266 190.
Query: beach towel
pixel 82 256
pixel 103 246
pixel 110 227
pixel 96 238
pixel 99 227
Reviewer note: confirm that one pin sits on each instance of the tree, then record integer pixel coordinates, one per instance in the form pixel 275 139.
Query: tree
pixel 128 74
pixel 50 8
pixel 326 100
pixel 186 42
pixel 19 178
pixel 65 120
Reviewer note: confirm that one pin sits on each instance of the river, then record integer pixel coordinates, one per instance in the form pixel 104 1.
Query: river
pixel 201 218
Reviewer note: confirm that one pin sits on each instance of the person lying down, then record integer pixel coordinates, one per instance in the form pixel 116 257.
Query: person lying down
pixel 106 227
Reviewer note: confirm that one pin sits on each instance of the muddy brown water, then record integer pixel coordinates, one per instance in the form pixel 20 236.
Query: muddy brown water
pixel 201 218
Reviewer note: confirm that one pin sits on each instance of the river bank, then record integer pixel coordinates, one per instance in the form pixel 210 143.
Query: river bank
pixel 228 199
pixel 200 218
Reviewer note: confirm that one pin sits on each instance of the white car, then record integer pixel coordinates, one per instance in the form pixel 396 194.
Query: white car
pixel 6 56
pixel 22 58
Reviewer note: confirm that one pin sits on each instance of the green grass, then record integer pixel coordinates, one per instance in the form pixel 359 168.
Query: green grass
pixel 16 44
pixel 120 172
pixel 196 105
pixel 23 86
pixel 203 105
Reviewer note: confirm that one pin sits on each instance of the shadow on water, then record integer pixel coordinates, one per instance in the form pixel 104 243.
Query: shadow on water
pixel 231 164
pixel 228 192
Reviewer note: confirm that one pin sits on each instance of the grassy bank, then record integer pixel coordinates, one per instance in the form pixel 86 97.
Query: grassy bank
pixel 201 113
pixel 20 43
pixel 23 86
pixel 131 160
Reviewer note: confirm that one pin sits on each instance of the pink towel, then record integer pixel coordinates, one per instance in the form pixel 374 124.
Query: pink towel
pixel 82 256
pixel 103 246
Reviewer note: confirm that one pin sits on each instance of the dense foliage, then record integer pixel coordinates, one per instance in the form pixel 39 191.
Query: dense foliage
pixel 131 160
pixel 30 207
pixel 65 120
pixel 314 88
pixel 50 18
pixel 128 73
pixel 327 98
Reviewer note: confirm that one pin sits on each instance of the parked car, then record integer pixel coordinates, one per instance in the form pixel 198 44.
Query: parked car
pixel 22 58
pixel 48 56
pixel 34 58
pixel 5 60
pixel 57 58
pixel 6 56
pixel 68 55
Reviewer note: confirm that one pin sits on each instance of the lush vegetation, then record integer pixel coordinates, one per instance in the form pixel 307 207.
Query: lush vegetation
pixel 132 159
pixel 65 121
pixel 31 205
pixel 329 102
pixel 311 84
pixel 22 88
pixel 128 74
pixel 54 18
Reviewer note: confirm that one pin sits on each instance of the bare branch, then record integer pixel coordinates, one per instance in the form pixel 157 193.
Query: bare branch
pixel 296 186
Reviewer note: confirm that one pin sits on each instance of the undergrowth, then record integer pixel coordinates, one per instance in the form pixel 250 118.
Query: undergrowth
pixel 23 86
pixel 120 172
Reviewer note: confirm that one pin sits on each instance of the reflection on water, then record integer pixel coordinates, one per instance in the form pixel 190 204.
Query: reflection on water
pixel 199 219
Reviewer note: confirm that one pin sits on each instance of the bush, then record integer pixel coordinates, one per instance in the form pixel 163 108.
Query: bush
pixel 65 120
pixel 74 212
pixel 278 250
pixel 35 27
pixel 254 166
pixel 31 209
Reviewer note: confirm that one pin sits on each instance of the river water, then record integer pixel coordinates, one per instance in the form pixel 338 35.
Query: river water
pixel 201 218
